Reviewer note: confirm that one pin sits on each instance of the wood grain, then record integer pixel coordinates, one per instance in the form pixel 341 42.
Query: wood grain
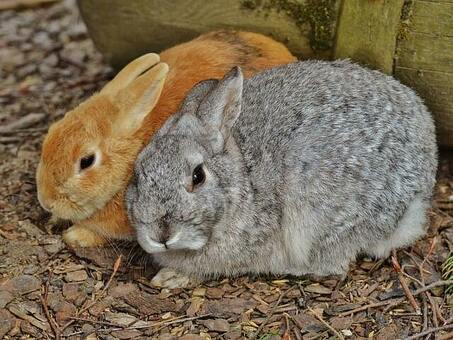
pixel 367 32
pixel 123 30
pixel 424 60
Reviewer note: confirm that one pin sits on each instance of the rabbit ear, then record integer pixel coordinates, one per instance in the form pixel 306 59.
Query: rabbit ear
pixel 129 73
pixel 139 98
pixel 197 94
pixel 190 104
pixel 222 106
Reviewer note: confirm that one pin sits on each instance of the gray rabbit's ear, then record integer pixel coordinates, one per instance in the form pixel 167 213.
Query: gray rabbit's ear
pixel 222 105
pixel 189 105
pixel 197 94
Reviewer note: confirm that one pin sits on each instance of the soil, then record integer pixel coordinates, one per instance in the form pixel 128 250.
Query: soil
pixel 48 66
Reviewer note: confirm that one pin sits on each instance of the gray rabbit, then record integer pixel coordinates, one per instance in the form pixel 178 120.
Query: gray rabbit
pixel 294 171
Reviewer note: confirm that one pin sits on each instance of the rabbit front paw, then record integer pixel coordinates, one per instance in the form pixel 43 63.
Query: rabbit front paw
pixel 170 278
pixel 80 236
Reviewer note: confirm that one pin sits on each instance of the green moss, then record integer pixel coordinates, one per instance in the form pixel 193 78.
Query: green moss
pixel 319 15
pixel 406 13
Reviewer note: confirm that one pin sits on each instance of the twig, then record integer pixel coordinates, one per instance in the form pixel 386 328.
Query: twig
pixel 296 330
pixel 398 300
pixel 96 322
pixel 116 267
pixel 410 297
pixel 430 251
pixel 271 313
pixel 447 336
pixel 171 322
pixel 433 285
pixel 319 317
pixel 429 331
pixel 52 322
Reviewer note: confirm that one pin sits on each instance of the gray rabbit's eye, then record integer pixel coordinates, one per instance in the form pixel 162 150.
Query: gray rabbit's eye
pixel 87 161
pixel 198 176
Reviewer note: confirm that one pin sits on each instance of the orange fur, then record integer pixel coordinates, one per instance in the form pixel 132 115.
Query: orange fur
pixel 94 200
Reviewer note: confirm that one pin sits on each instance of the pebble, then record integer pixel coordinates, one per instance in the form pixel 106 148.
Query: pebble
pixel 76 276
pixel 22 284
pixel 5 298
pixel 126 334
pixel 217 325
pixel 6 322
pixel 318 289
pixel 192 337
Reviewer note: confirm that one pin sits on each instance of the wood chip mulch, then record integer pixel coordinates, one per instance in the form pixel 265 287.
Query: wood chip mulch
pixel 48 65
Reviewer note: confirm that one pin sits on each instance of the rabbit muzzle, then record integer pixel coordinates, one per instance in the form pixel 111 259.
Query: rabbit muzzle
pixel 165 237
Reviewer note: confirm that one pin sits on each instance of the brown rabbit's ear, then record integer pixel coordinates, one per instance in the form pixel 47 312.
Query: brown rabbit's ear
pixel 129 73
pixel 139 98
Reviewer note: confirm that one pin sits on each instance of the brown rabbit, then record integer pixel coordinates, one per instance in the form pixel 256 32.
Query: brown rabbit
pixel 87 156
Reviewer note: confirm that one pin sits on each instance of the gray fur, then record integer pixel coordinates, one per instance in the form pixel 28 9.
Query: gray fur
pixel 326 160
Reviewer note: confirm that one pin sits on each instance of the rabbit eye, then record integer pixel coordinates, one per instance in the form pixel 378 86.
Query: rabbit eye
pixel 198 175
pixel 87 161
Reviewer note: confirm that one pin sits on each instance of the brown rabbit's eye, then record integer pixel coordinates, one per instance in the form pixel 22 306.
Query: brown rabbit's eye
pixel 198 175
pixel 87 161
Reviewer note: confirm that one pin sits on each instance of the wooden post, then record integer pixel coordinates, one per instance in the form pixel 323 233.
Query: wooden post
pixel 367 32
pixel 424 59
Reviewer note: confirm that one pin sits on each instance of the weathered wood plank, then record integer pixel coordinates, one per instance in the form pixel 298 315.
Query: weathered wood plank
pixel 424 60
pixel 436 88
pixel 435 18
pixel 367 32
pixel 426 51
pixel 123 30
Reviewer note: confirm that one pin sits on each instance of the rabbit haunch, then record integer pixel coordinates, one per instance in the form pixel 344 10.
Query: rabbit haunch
pixel 306 165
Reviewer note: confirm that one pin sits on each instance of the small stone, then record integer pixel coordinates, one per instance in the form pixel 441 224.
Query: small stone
pixel 126 334
pixel 27 328
pixel 6 322
pixel 167 337
pixel 122 289
pixel 88 328
pixel 30 269
pixel 51 60
pixel 5 298
pixel 22 284
pixel 192 337
pixel 101 306
pixel 234 335
pixel 65 311
pixel 148 304
pixel 76 276
pixel 166 316
pixel 195 305
pixel 340 323
pixel 217 325
pixel 200 291
pixel 308 323
pixel 346 332
pixel 54 299
pixel 71 291
pixel 53 244
pixel 226 307
pixel 121 319
pixel 318 289
pixel 214 293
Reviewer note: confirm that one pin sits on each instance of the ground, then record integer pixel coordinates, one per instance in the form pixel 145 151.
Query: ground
pixel 48 65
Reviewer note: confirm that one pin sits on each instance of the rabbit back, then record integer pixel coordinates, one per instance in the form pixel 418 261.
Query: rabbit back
pixel 348 152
